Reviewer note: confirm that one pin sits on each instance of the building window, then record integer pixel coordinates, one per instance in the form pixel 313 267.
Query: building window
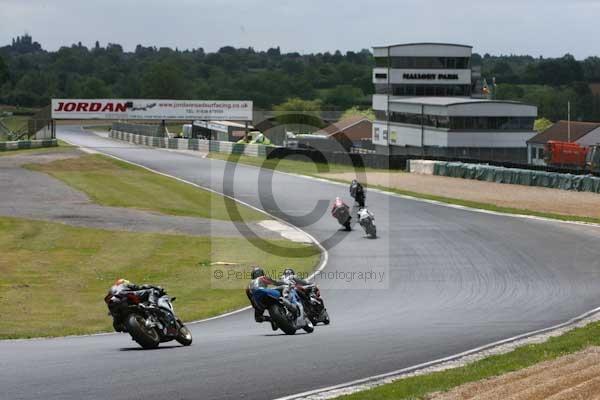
pixel 425 90
pixel 376 134
pixel 380 115
pixel 463 123
pixel 423 62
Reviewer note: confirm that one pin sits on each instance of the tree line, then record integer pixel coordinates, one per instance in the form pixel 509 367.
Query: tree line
pixel 30 76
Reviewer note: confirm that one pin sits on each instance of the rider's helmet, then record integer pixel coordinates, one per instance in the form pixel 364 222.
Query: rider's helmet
pixel 257 272
pixel 288 272
pixel 122 281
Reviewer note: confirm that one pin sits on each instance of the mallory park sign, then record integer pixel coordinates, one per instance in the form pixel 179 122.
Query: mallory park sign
pixel 151 109
pixel 431 77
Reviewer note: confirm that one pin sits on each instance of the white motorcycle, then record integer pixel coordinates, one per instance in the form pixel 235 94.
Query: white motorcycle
pixel 366 219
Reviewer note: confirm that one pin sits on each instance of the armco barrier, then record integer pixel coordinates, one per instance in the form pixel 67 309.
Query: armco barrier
pixel 27 144
pixel 254 150
pixel 516 176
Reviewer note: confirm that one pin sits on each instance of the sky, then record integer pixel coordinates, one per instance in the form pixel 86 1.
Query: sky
pixel 548 28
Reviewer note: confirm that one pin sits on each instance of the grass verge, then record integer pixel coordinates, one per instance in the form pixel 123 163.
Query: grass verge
pixel 315 170
pixel 53 277
pixel 114 183
pixel 419 386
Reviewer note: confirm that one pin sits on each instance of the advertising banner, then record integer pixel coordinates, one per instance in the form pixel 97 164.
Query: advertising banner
pixel 151 109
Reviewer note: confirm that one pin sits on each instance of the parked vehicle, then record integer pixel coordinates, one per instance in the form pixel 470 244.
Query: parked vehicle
pixel 592 160
pixel 565 154
pixel 148 324
pixel 341 212
pixel 314 307
pixel 283 313
pixel 366 219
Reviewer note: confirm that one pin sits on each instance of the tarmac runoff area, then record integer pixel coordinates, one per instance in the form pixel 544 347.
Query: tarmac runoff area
pixel 35 195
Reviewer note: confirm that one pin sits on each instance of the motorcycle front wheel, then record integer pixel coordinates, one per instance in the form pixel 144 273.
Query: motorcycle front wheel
pixel 278 315
pixel 146 337
pixel 184 336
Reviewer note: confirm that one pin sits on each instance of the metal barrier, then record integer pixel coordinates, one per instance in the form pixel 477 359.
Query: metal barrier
pixel 253 150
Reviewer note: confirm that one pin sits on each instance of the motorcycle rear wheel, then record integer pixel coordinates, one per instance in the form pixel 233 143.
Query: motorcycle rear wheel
pixel 148 338
pixel 278 315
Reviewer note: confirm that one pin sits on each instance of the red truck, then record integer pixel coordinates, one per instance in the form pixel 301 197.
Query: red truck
pixel 565 154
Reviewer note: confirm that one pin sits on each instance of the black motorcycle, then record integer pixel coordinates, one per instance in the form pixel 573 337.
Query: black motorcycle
pixel 358 193
pixel 284 314
pixel 314 307
pixel 148 324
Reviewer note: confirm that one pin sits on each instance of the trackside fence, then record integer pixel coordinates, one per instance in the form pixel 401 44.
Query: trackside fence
pixel 27 144
pixel 515 176
pixel 253 150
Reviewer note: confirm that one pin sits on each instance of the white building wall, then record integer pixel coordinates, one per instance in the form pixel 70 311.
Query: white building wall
pixel 489 139
pixel 404 135
pixel 591 138
pixel 380 133
pixel 380 102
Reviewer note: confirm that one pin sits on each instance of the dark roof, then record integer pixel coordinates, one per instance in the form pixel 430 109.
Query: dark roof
pixel 343 124
pixel 559 131
pixel 424 44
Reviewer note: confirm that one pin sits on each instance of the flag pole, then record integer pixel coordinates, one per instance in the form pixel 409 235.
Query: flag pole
pixel 569 121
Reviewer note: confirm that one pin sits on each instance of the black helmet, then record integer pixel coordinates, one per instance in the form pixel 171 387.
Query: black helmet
pixel 288 272
pixel 257 272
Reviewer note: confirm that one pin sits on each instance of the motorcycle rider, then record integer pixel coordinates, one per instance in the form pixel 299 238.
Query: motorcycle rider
pixel 147 293
pixel 259 285
pixel 338 207
pixel 358 193
pixel 260 282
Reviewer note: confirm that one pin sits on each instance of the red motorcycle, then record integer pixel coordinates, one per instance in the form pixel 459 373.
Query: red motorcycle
pixel 341 212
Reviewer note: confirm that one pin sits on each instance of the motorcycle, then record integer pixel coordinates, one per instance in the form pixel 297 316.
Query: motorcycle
pixel 148 324
pixel 284 314
pixel 341 212
pixel 357 192
pixel 366 219
pixel 314 307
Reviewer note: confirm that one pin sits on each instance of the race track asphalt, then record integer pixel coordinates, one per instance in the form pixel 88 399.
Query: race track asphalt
pixel 453 280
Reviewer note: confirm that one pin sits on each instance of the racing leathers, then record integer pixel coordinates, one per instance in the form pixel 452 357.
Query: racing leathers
pixel 258 284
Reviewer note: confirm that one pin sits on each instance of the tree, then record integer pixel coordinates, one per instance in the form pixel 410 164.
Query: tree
pixel 93 88
pixel 164 80
pixel 541 124
pixel 3 71
pixel 355 111
pixel 344 96
pixel 303 116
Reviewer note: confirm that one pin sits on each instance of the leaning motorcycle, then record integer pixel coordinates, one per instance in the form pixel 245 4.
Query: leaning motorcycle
pixel 314 306
pixel 283 312
pixel 341 212
pixel 366 219
pixel 148 324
